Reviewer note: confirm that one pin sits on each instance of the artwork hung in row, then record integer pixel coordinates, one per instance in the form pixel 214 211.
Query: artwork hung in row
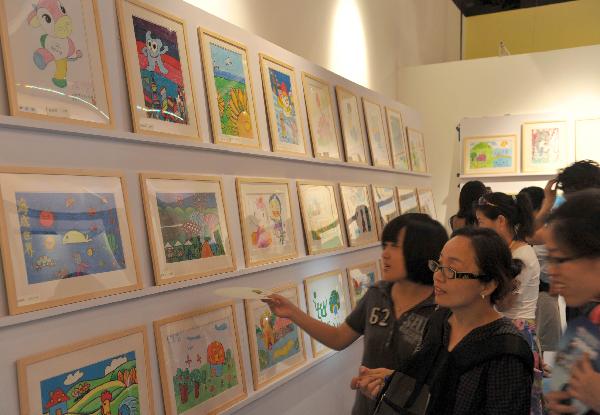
pixel 320 216
pixel 587 139
pixel 407 200
pixel 490 155
pixel 319 107
pixel 352 133
pixel 276 344
pixel 65 237
pixel 199 356
pixel 187 226
pixel 544 146
pixel 399 146
pixel 54 61
pixel 107 375
pixel 386 206
pixel 326 301
pixel 358 214
pixel 378 143
pixel 283 111
pixel 416 146
pixel 229 90
pixel 159 80
pixel 426 202
pixel 266 220
pixel 360 278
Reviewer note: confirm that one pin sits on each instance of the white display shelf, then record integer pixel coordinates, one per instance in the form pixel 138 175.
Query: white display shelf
pixel 6 321
pixel 512 176
pixel 68 130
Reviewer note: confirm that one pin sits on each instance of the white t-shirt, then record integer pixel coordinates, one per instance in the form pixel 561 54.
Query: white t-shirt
pixel 526 301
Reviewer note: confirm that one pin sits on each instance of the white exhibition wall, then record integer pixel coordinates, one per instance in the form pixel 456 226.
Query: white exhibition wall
pixel 562 82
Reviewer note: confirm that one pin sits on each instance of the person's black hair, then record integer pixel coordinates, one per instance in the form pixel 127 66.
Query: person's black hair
pixel 470 192
pixel 424 239
pixel 581 175
pixel 576 224
pixel 516 209
pixel 493 258
pixel 536 196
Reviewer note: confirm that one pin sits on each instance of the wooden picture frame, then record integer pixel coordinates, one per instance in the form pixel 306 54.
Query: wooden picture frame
pixel 320 211
pixel 544 146
pixel 209 336
pixel 60 225
pixel 282 106
pixel 157 66
pixel 360 278
pixel 321 123
pixel 587 139
pixel 197 243
pixel 352 132
pixel 120 361
pixel 266 220
pixel 494 154
pixel 359 214
pixel 416 146
pixel 325 305
pixel 276 344
pixel 50 69
pixel 408 200
pixel 231 102
pixel 398 143
pixel 385 201
pixel 427 202
pixel 378 142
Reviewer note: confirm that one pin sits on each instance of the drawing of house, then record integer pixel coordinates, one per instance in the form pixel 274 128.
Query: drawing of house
pixel 57 405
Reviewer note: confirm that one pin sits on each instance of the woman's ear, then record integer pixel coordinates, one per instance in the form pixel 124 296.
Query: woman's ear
pixel 487 288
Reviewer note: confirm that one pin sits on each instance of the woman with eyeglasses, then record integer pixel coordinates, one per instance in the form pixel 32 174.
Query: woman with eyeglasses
pixel 393 314
pixel 573 242
pixel 476 360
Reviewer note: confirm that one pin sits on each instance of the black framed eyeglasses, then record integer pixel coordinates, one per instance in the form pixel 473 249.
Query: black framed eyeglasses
pixel 452 274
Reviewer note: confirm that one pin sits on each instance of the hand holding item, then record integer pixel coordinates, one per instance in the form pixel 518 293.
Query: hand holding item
pixel 280 306
pixel 585 383
pixel 370 381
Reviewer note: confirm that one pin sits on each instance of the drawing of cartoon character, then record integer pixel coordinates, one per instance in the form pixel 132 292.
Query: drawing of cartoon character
pixel 275 216
pixel 51 16
pixel 154 50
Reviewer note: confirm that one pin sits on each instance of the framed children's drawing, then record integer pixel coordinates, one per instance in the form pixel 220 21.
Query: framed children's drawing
pixel 352 132
pixel 229 90
pixel 587 139
pixel 161 93
pixel 399 146
pixel 283 111
pixel 200 361
pixel 426 202
pixel 490 155
pixel 358 209
pixel 416 146
pixel 407 200
pixel 386 205
pixel 276 344
pixel 187 226
pixel 326 301
pixel 319 108
pixel 106 375
pixel 360 278
pixel 266 220
pixel 544 146
pixel 320 217
pixel 378 143
pixel 54 61
pixel 65 237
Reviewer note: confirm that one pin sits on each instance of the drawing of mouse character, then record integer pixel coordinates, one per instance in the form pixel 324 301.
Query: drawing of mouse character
pixel 154 50
pixel 51 16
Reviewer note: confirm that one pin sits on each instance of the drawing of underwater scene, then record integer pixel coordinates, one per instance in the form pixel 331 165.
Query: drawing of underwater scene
pixel 266 217
pixel 323 218
pixel 491 153
pixel 283 106
pixel 69 235
pixel 106 387
pixel 359 218
pixel 161 72
pixel 361 279
pixel 232 95
pixel 276 338
pixel 202 363
pixel 545 145
pixel 190 226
